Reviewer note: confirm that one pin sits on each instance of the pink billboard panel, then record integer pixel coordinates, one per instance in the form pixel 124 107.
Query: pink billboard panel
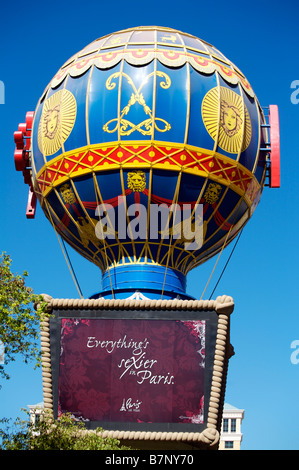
pixel 132 370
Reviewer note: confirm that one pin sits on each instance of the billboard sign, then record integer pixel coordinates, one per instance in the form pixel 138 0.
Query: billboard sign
pixel 135 370
pixel 132 370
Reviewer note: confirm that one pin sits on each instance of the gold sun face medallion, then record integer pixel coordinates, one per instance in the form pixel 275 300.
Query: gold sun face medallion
pixel 212 193
pixel 67 194
pixel 136 181
pixel 57 121
pixel 233 132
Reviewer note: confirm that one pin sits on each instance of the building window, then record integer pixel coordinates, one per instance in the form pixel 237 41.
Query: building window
pixel 229 445
pixel 233 426
pixel 225 425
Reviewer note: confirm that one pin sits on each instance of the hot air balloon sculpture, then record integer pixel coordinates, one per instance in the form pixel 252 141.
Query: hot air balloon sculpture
pixel 148 152
pixel 143 139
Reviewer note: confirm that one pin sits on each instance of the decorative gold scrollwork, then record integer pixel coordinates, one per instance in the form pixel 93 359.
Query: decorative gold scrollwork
pixel 145 127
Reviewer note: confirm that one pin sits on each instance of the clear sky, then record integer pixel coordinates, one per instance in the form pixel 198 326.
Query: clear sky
pixel 261 38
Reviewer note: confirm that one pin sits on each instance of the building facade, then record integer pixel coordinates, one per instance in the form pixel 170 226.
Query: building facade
pixel 231 435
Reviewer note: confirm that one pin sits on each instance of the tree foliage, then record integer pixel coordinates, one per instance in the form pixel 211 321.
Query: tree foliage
pixel 61 434
pixel 19 321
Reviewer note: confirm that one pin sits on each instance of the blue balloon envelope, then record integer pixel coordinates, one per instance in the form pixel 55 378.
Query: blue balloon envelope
pixel 146 156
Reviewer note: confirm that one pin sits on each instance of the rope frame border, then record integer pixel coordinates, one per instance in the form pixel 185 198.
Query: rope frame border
pixel 223 305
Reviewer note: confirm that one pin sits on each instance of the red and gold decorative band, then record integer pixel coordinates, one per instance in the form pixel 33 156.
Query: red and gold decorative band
pixel 173 157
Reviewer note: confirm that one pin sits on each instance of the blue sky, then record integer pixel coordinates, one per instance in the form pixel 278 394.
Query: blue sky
pixel 261 38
